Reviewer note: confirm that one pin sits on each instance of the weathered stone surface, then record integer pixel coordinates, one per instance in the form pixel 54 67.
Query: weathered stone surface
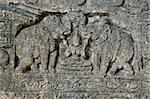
pixel 74 49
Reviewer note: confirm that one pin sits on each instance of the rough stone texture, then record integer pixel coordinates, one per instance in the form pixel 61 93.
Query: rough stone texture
pixel 74 49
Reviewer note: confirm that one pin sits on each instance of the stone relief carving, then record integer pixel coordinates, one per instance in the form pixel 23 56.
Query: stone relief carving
pixel 88 39
pixel 78 49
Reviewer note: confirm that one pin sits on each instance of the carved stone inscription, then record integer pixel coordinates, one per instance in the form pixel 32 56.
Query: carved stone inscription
pixel 76 49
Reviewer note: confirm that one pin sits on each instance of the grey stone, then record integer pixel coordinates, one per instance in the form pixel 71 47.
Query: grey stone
pixel 74 49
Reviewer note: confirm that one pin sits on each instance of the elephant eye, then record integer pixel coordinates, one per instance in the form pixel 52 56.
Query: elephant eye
pixel 44 28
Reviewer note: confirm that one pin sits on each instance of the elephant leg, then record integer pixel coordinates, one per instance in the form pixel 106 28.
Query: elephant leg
pixel 25 64
pixel 44 60
pixel 52 61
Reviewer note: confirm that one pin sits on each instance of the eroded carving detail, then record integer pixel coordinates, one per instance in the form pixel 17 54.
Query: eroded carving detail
pixel 74 49
pixel 74 41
